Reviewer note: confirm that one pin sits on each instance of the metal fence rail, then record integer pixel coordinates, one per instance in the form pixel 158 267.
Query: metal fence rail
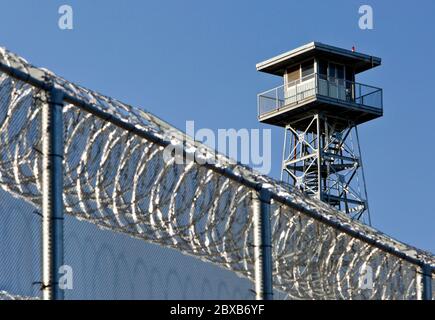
pixel 116 176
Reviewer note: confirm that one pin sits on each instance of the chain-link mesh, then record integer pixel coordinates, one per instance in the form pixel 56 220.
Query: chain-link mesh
pixel 112 265
pixel 118 178
pixel 20 162
pixel 316 261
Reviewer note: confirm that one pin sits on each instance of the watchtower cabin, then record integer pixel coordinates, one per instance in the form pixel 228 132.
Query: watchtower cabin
pixel 320 105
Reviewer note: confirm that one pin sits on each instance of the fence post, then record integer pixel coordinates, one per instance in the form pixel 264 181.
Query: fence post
pixel 262 245
pixel 426 282
pixel 52 189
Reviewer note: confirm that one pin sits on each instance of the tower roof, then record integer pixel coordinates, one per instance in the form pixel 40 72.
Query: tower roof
pixel 278 64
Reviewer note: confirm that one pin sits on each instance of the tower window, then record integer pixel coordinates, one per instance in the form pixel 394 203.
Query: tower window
pixel 323 67
pixel 349 74
pixel 307 69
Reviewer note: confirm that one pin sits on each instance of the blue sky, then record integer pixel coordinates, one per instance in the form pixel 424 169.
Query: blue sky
pixel 195 60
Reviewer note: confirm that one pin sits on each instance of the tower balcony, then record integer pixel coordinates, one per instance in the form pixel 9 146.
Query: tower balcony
pixel 351 101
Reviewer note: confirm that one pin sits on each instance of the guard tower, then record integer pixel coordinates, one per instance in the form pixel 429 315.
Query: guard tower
pixel 320 106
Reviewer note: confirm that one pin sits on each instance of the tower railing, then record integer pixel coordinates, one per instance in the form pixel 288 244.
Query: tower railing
pixel 313 85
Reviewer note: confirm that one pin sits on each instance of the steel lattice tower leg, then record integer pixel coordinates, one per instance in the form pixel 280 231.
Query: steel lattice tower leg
pixel 321 157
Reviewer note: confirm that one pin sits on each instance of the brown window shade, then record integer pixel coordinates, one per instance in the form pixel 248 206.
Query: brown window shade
pixel 293 74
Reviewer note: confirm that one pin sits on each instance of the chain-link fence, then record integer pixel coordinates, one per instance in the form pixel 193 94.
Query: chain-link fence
pixel 20 161
pixel 142 224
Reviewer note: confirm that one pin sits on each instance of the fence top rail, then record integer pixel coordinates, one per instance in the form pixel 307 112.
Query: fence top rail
pixel 150 127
